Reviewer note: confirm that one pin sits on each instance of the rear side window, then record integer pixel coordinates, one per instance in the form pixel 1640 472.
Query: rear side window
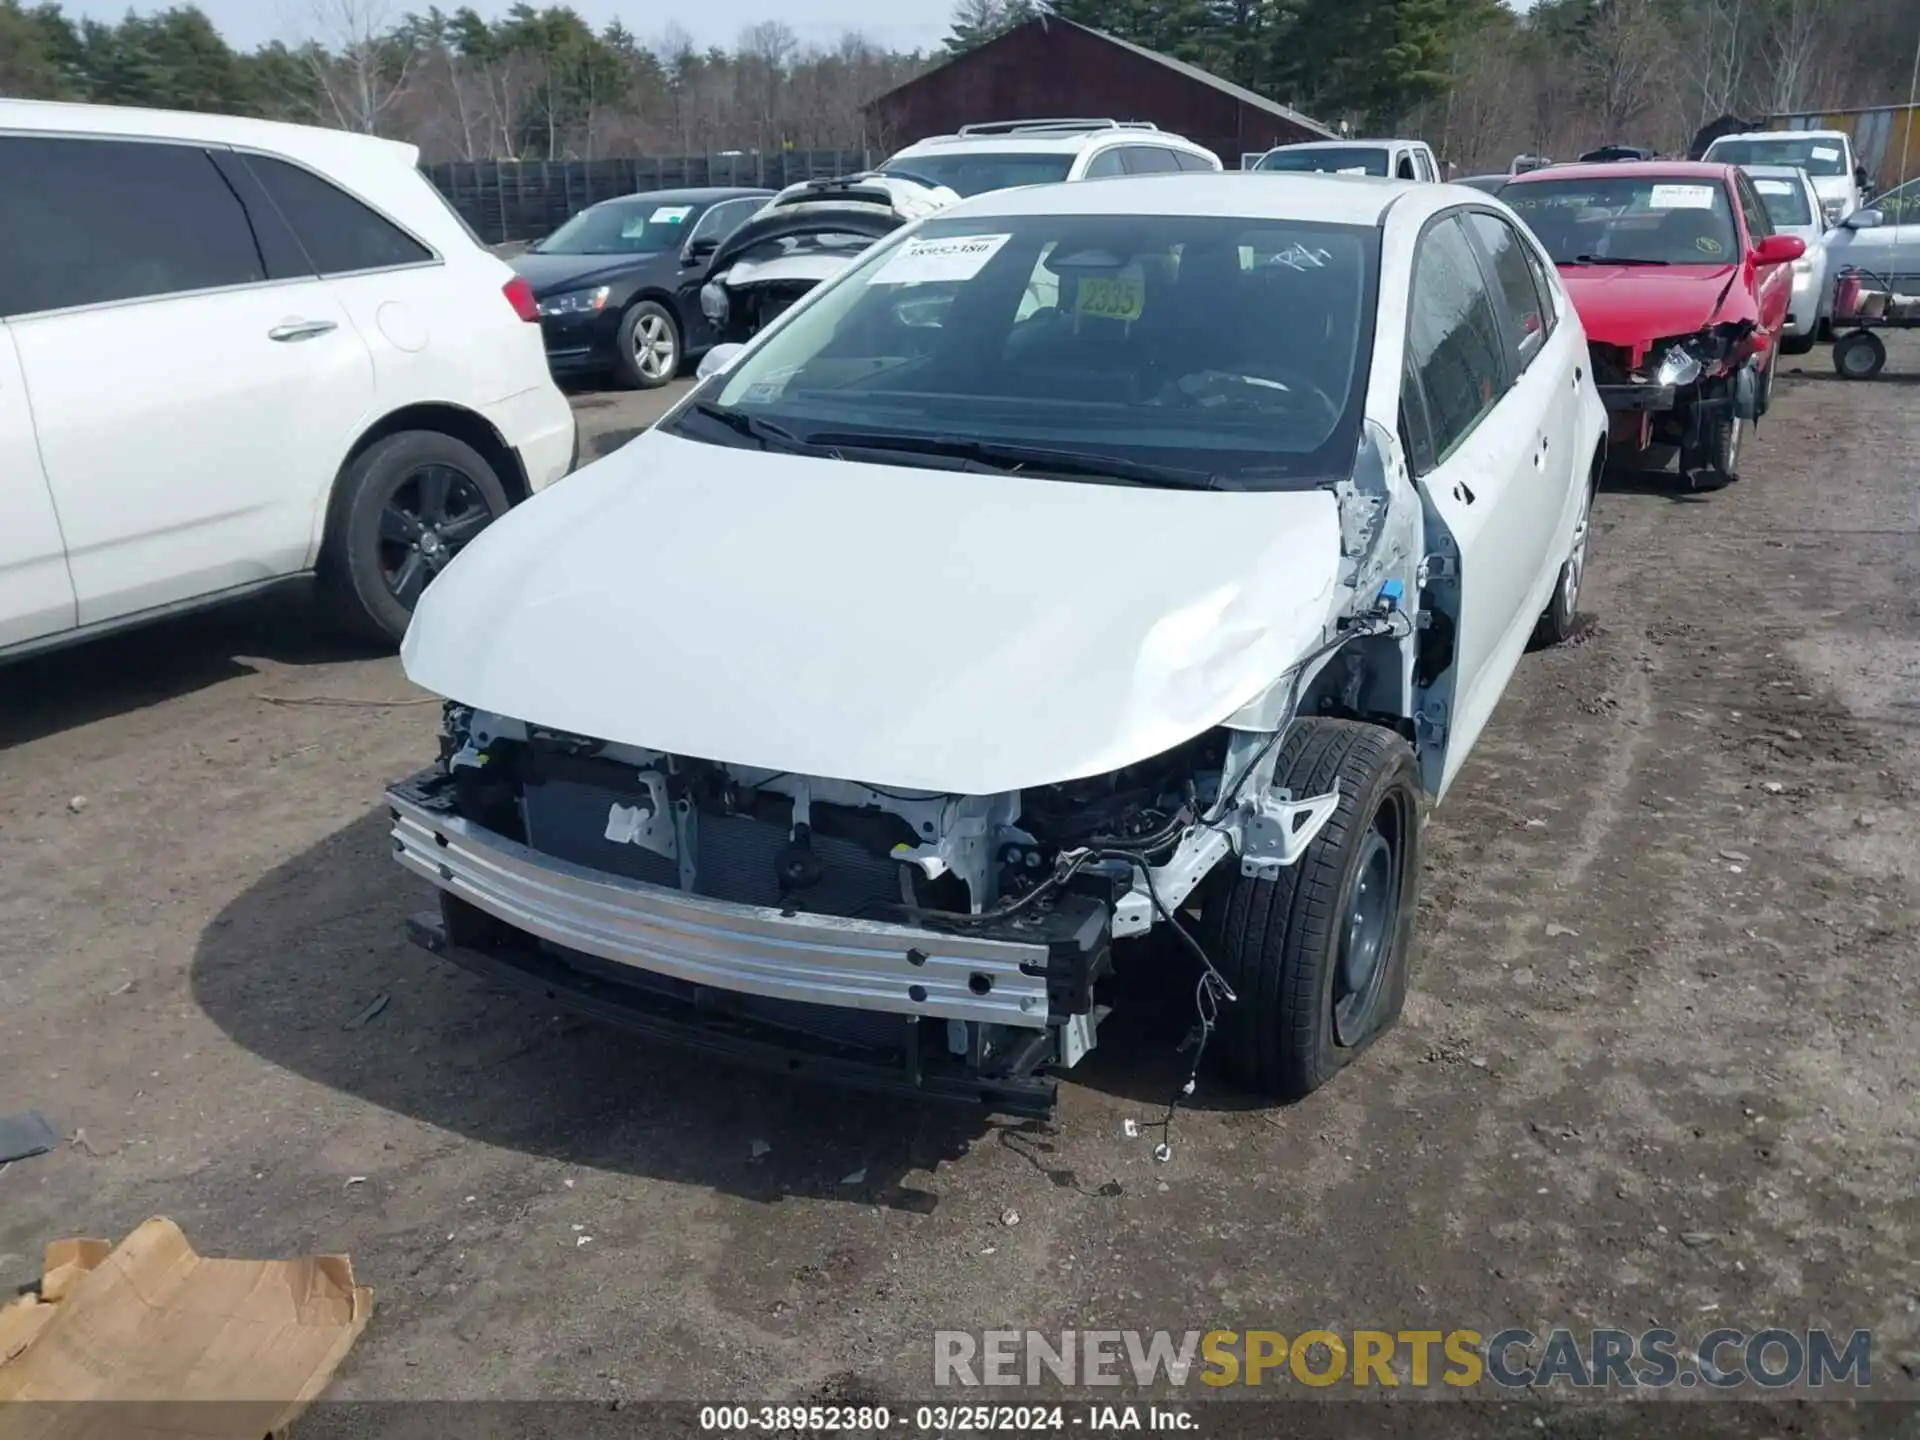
pixel 1454 336
pixel 1187 161
pixel 341 234
pixel 93 221
pixel 1105 165
pixel 1522 306
pixel 1149 160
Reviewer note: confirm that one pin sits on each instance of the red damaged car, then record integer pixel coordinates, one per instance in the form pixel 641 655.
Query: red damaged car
pixel 1682 286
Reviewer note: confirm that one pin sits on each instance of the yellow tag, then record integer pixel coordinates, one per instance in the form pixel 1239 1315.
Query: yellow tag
pixel 1111 297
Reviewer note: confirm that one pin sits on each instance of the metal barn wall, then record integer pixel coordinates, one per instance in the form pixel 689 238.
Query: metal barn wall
pixel 1060 70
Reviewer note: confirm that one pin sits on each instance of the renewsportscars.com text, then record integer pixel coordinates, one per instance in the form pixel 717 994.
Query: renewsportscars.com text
pixel 1722 1358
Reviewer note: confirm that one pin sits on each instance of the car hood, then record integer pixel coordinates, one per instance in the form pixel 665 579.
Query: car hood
pixel 553 274
pixel 1632 304
pixel 1832 187
pixel 925 629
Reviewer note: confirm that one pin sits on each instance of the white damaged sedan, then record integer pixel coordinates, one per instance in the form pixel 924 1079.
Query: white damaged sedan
pixel 1086 563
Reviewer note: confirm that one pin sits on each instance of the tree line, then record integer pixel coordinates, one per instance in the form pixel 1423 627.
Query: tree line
pixel 1476 78
pixel 536 84
pixel 1483 82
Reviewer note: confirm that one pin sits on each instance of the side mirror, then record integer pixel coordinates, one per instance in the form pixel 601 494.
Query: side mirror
pixel 1864 220
pixel 720 358
pixel 1779 249
pixel 699 249
pixel 1860 177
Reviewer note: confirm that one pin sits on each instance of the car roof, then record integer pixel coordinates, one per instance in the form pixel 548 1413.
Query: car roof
pixel 1338 199
pixel 1040 139
pixel 691 195
pixel 1613 169
pixel 1348 141
pixel 1783 135
pixel 318 146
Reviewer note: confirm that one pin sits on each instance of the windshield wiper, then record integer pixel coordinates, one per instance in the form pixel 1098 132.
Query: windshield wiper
pixel 766 432
pixel 1615 260
pixel 1011 457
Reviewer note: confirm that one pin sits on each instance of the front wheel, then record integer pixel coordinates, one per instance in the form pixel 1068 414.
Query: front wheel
pixel 405 507
pixel 649 341
pixel 1713 464
pixel 1318 957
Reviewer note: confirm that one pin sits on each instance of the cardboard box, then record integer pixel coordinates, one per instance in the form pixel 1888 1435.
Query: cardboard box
pixel 148 1339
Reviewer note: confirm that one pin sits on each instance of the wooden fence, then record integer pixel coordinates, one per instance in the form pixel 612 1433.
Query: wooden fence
pixel 507 200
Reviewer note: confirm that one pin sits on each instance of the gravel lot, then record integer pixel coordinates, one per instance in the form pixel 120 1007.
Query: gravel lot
pixel 1660 1056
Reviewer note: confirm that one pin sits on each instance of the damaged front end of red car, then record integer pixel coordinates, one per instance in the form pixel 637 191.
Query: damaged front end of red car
pixel 1688 393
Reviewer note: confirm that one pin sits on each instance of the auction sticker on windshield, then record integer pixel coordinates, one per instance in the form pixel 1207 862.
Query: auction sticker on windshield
pixel 1774 187
pixel 1826 152
pixel 955 257
pixel 1681 197
pixel 670 215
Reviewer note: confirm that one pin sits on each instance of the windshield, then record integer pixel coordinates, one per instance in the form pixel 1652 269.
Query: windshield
pixel 1786 200
pixel 1327 160
pixel 636 225
pixel 1822 155
pixel 975 174
pixel 1642 219
pixel 1233 349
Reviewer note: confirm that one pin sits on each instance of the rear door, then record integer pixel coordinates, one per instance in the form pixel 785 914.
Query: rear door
pixel 193 391
pixel 36 593
pixel 1475 437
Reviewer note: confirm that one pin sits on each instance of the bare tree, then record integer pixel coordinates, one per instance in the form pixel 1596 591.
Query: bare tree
pixel 357 66
pixel 1619 58
pixel 1789 50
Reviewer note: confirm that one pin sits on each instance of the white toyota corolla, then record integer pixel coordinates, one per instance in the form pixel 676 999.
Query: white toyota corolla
pixel 1087 561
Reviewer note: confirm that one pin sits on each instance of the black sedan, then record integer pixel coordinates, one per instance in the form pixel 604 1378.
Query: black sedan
pixel 619 284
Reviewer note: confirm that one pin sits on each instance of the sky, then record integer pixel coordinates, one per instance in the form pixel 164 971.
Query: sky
pixel 899 24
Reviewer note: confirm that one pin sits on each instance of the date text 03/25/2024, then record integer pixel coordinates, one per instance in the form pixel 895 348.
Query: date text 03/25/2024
pixel 945 1419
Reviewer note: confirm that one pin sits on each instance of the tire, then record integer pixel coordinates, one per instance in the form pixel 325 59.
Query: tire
pixel 1279 943
pixel 1555 626
pixel 1715 465
pixel 402 509
pixel 1796 344
pixel 649 346
pixel 1859 356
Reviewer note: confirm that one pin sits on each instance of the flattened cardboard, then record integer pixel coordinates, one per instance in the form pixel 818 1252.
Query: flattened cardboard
pixel 162 1342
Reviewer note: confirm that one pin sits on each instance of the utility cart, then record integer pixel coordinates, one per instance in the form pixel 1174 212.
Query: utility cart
pixel 1863 305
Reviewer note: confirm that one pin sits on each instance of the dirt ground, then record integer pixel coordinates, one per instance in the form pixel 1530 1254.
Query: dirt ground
pixel 1660 1063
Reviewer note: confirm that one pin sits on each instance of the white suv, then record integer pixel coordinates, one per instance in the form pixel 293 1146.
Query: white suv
pixel 1395 159
pixel 1000 154
pixel 235 352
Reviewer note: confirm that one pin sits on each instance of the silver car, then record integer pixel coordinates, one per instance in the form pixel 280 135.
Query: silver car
pixel 1882 240
pixel 1793 205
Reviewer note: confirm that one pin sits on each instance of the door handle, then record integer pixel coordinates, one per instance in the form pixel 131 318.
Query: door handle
pixel 301 329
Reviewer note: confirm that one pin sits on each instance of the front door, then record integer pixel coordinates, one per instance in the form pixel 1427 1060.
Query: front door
pixel 1482 448
pixel 716 224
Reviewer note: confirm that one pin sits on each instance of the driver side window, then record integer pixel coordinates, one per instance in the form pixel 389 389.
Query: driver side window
pixel 1759 223
pixel 1458 371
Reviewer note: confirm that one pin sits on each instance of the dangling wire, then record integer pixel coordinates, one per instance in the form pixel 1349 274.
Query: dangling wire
pixel 1208 991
